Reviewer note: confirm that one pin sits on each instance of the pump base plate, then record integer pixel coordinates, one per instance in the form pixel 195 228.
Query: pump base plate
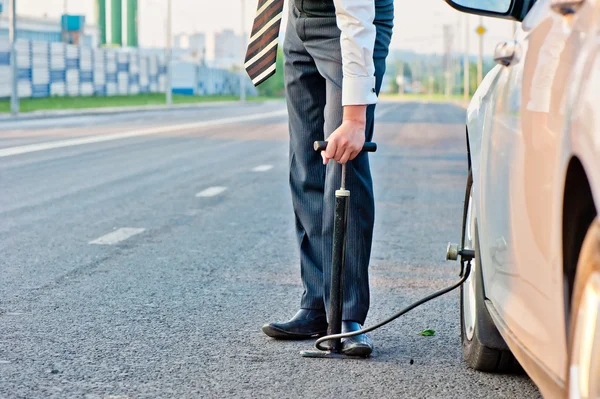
pixel 328 355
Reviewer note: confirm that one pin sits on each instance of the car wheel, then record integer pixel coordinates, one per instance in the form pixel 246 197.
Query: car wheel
pixel 584 334
pixel 477 326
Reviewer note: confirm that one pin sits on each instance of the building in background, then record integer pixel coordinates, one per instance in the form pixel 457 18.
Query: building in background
pixel 197 47
pixel 48 30
pixel 72 29
pixel 117 38
pixel 181 41
pixel 191 48
pixel 227 49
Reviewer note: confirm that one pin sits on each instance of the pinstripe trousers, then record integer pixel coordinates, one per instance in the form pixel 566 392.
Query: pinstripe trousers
pixel 313 81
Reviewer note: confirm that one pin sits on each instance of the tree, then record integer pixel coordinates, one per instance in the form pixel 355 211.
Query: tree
pixel 394 70
pixel 487 66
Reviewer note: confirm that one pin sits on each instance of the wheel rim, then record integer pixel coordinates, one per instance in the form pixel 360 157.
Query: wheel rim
pixel 468 303
pixel 585 363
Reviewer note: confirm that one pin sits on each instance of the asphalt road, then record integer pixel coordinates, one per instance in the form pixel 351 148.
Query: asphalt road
pixel 141 253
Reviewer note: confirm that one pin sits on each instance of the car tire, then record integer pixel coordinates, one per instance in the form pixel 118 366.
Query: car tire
pixel 583 363
pixel 477 326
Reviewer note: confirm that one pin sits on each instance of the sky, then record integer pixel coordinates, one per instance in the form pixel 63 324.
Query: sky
pixel 418 24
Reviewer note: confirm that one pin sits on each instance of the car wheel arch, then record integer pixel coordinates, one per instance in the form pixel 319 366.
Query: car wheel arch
pixel 579 211
pixel 468 148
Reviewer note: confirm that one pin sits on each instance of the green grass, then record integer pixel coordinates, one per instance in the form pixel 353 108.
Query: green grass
pixel 437 97
pixel 65 103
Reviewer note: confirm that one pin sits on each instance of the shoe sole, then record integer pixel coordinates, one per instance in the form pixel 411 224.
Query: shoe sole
pixel 358 350
pixel 282 334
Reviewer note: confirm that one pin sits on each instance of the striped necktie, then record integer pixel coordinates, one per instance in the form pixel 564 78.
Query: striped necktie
pixel 262 47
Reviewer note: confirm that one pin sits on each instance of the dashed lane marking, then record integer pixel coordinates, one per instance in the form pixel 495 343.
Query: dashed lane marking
pixel 262 168
pixel 117 236
pixel 211 191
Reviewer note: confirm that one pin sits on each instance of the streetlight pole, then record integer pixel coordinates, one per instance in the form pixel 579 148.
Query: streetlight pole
pixel 456 60
pixel 480 58
pixel 243 54
pixel 169 54
pixel 12 31
pixel 466 79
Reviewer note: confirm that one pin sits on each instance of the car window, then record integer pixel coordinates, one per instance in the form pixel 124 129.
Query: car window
pixel 497 6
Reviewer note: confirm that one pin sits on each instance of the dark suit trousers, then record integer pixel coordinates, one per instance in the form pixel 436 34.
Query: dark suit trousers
pixel 313 80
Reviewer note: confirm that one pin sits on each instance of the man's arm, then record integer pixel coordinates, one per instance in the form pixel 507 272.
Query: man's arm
pixel 357 40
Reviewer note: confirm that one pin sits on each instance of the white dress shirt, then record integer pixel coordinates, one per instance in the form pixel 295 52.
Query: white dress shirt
pixel 355 20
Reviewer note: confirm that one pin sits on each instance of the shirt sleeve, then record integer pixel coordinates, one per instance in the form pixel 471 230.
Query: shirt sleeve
pixel 357 40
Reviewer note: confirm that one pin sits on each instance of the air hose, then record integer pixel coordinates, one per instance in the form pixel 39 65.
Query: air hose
pixel 467 256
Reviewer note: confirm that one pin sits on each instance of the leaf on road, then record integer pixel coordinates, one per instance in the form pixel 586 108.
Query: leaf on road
pixel 427 333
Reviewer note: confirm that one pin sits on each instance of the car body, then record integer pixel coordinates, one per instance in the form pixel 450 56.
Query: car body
pixel 531 213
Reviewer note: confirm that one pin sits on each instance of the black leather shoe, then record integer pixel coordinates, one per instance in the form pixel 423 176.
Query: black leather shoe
pixel 360 345
pixel 307 323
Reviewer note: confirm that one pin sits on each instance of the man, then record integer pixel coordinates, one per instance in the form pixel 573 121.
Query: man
pixel 335 54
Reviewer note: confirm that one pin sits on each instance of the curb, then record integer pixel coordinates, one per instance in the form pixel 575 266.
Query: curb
pixel 33 115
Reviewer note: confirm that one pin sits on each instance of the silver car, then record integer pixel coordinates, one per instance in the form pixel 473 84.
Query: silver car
pixel 532 199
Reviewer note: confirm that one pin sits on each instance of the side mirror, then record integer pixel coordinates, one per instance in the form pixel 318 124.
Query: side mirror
pixel 508 53
pixel 508 9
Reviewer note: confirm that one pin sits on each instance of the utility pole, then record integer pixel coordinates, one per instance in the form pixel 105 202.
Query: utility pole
pixel 416 72
pixel 12 32
pixel 243 55
pixel 466 79
pixel 456 58
pixel 481 31
pixel 448 38
pixel 64 33
pixel 402 82
pixel 169 52
pixel 430 70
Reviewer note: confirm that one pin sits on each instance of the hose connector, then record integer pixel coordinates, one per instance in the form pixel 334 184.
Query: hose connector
pixel 454 251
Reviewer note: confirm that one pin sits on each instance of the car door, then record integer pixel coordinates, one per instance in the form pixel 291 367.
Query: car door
pixel 521 178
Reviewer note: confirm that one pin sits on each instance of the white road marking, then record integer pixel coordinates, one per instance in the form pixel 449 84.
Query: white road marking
pixel 262 168
pixel 5 362
pixel 211 191
pixel 117 236
pixel 7 152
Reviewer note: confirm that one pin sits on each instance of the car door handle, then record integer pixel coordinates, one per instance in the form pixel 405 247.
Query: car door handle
pixel 566 7
pixel 508 53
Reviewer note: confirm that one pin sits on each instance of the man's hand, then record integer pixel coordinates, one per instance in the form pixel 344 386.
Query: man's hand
pixel 347 141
